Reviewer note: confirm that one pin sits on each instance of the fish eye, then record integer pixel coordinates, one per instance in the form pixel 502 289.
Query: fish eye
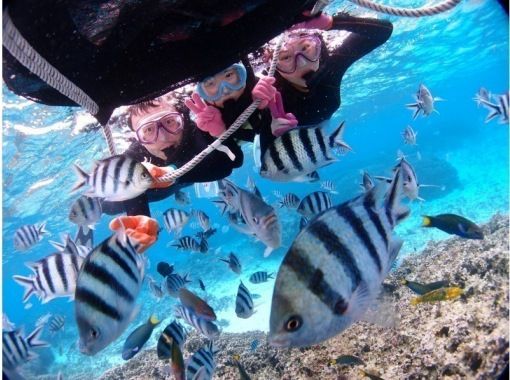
pixel 294 323
pixel 255 219
pixel 94 333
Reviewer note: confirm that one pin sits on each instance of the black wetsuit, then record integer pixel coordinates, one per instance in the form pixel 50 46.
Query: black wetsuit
pixel 215 166
pixel 322 97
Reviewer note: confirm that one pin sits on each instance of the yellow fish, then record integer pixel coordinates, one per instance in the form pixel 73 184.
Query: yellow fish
pixel 442 294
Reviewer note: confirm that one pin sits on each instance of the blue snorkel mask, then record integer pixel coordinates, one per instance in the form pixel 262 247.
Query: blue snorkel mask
pixel 223 83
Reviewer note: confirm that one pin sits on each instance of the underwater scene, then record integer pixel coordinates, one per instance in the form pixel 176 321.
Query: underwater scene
pixel 320 241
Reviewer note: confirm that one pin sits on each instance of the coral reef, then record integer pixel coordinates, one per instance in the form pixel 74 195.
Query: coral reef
pixel 465 338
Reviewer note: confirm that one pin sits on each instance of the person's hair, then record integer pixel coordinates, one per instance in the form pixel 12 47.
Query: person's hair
pixel 174 99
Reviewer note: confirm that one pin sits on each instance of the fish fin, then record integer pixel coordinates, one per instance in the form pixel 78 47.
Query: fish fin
pixel 271 275
pixel 461 228
pixel 394 197
pixel 394 249
pixel 201 374
pixel 134 313
pixel 436 111
pixel 359 302
pixel 418 109
pixel 421 199
pixel 493 108
pixel 33 339
pixel 91 227
pixel 82 178
pixel 71 298
pixel 28 284
pixel 57 245
pixel 427 221
pixel 268 251
pixel 42 229
pixel 225 261
pixel 335 139
pixel 438 99
pixel 381 178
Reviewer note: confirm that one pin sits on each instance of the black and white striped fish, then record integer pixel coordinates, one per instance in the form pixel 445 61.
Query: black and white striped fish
pixel 233 263
pixel 205 234
pixel 155 288
pixel 174 332
pixel 330 186
pixel 314 204
pixel 187 243
pixel 335 267
pixel 27 236
pixel 244 302
pixel 289 200
pixel 299 152
pixel 203 219
pixel 204 327
pixel 85 237
pixel 424 102
pixel 366 181
pixel 17 349
pixel 201 365
pixel 499 108
pixel 108 284
pixel 54 275
pixel 116 178
pixel 174 282
pixel 175 220
pixel 70 246
pixel 85 211
pixel 258 277
pixel 409 136
pixel 56 323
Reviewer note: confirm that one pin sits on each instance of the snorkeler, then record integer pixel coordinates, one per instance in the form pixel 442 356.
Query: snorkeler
pixel 309 77
pixel 165 135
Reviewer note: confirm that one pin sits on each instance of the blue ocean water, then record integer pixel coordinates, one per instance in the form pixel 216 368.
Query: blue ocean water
pixel 452 54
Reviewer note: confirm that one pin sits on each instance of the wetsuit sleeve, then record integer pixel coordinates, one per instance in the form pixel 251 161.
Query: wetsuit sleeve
pixel 366 35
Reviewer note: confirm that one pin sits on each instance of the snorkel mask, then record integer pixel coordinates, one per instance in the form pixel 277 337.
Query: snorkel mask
pixel 298 50
pixel 223 83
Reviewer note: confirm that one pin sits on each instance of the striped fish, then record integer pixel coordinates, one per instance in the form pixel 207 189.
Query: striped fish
pixel 187 243
pixel 500 108
pixel 17 349
pixel 70 246
pixel 330 186
pixel 314 204
pixel 201 365
pixel 299 152
pixel 174 282
pixel 244 302
pixel 116 178
pixel 203 219
pixel 366 181
pixel 204 327
pixel 205 234
pixel 335 267
pixel 289 200
pixel 54 276
pixel 424 102
pixel 174 332
pixel 175 220
pixel 57 323
pixel 182 198
pixel 409 136
pixel 85 211
pixel 258 277
pixel 108 284
pixel 27 236
pixel 482 94
pixel 84 237
pixel 233 263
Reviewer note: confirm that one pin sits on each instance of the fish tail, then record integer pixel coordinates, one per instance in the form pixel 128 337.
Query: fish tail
pixel 42 229
pixel 33 338
pixel 427 221
pixel 82 178
pixel 394 197
pixel 335 139
pixel 28 284
pixel 413 106
pixel 270 275
pixel 493 108
pixel 415 301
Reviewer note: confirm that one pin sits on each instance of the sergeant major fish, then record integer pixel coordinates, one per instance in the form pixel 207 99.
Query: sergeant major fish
pixel 182 198
pixel 233 263
pixel 204 327
pixel 86 211
pixel 244 302
pixel 108 284
pixel 174 283
pixel 196 304
pixel 500 108
pixel 174 332
pixel 330 186
pixel 260 218
pixel 259 277
pixel 335 267
pixel 201 365
pixel 409 135
pixel 289 200
pixel 27 236
pixel 17 349
pixel 175 220
pixel 424 102
pixel 366 181
pixel 116 178
pixel 299 152
pixel 57 323
pixel 138 337
pixel 187 243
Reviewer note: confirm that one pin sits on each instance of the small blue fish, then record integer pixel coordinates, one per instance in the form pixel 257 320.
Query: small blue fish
pixel 254 344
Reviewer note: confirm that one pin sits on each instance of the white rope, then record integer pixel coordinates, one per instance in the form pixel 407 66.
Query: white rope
pixel 406 12
pixel 241 119
pixel 109 139
pixel 32 60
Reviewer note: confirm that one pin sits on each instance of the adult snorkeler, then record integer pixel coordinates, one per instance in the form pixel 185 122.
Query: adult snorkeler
pixel 165 135
pixel 309 77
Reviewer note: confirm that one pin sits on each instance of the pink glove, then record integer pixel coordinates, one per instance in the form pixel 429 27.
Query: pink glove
pixel 265 91
pixel 208 117
pixel 322 22
pixel 282 122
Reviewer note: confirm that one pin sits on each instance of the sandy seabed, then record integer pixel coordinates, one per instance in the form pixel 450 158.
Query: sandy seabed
pixel 467 338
